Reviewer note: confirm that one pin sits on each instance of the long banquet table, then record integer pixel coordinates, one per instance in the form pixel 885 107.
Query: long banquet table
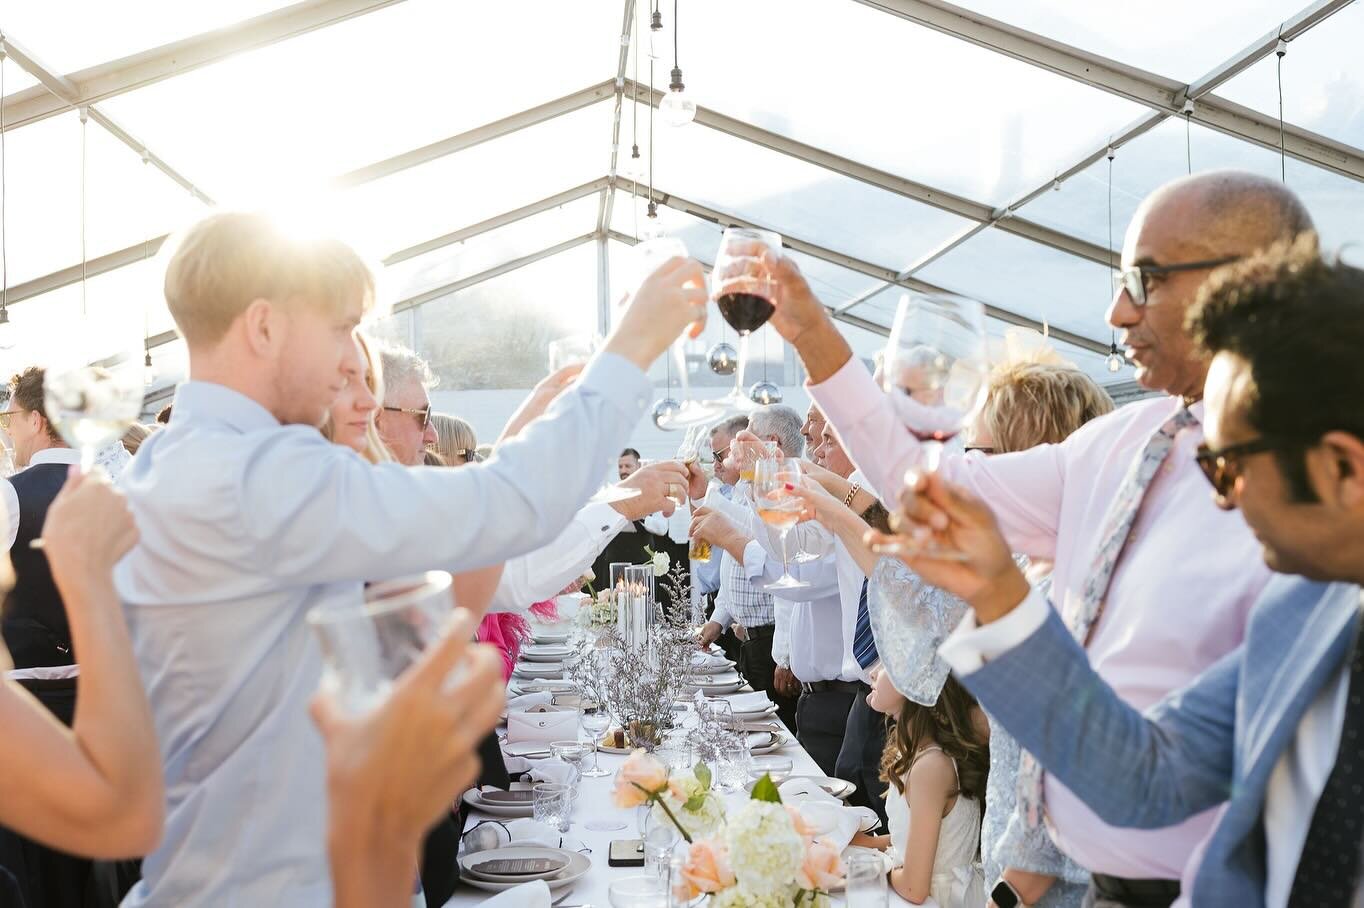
pixel 594 802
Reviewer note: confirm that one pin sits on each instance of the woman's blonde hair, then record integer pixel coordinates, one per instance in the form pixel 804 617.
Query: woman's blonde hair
pixel 455 440
pixel 1036 403
pixel 375 449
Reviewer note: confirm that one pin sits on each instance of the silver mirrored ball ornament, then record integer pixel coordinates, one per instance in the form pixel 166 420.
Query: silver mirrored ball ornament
pixel 764 393
pixel 724 359
pixel 664 409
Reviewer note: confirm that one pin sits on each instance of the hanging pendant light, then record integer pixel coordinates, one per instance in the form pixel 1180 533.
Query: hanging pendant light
pixel 665 409
pixel 677 108
pixel 723 359
pixel 764 393
pixel 1114 361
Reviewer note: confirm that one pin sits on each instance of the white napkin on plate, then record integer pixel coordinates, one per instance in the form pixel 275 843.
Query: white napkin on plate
pixel 753 702
pixel 534 894
pixel 707 660
pixel 554 770
pixel 835 820
pixel 526 701
pixel 794 790
pixel 525 831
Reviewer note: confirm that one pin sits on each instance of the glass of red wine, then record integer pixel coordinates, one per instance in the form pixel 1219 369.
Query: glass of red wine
pixel 745 292
pixel 936 367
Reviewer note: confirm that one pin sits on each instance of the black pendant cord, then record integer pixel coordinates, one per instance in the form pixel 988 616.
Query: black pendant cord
pixel 653 206
pixel 1112 332
pixel 675 64
pixel 1188 139
pixel 84 115
pixel 1278 65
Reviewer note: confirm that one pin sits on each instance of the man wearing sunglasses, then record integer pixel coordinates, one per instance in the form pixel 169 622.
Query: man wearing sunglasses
pixel 1275 729
pixel 404 422
pixel 1119 507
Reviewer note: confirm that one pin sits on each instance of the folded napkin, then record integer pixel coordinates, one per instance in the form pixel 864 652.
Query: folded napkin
pixel 526 701
pixel 534 894
pixel 752 702
pixel 554 770
pixel 793 790
pixel 525 831
pixel 708 661
pixel 834 820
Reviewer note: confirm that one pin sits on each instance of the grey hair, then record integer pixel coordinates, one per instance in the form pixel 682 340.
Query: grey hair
pixel 400 366
pixel 783 422
pixel 732 426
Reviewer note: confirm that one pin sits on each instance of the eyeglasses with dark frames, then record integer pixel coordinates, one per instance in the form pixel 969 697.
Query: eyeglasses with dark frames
pixel 424 413
pixel 1137 279
pixel 1222 466
pixel 6 416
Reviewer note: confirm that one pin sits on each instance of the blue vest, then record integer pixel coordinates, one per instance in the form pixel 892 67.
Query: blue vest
pixel 34 625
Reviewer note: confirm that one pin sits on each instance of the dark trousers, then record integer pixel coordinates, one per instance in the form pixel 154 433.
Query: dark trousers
pixel 821 718
pixel 859 761
pixel 756 665
pixel 1116 892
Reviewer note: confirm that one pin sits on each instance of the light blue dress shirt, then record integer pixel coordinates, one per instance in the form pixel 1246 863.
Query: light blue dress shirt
pixel 245 526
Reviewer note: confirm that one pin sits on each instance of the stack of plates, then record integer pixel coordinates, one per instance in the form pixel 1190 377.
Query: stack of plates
pixel 545 652
pixel 765 742
pixel 519 686
pixel 569 867
pixel 549 636
pixel 539 670
pixel 725 683
pixel 494 803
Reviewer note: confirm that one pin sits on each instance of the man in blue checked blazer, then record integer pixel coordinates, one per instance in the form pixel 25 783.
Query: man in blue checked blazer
pixel 1276 728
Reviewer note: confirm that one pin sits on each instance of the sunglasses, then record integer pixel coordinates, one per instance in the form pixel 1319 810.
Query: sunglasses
pixel 6 416
pixel 1222 466
pixel 424 413
pixel 1139 279
pixel 720 455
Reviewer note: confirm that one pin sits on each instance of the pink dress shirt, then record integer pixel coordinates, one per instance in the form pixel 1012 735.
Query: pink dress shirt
pixel 1179 596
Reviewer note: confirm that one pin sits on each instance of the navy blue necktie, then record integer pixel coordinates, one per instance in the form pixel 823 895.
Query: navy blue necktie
pixel 864 644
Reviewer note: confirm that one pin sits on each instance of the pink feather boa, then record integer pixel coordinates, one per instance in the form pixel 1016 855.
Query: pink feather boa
pixel 509 631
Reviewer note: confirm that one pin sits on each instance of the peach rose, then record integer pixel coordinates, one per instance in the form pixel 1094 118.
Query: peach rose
pixel 707 868
pixel 799 823
pixel 822 868
pixel 642 777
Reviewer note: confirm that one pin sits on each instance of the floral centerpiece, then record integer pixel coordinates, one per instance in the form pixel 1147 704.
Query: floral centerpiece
pixel 759 855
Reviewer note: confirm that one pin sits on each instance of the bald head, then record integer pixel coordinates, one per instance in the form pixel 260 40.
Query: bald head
pixel 1196 220
pixel 1227 212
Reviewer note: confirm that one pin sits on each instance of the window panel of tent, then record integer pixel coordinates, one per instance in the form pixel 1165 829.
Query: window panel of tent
pixel 1080 206
pixel 294 113
pixel 1171 38
pixel 886 92
pixel 1323 80
pixel 791 196
pixel 126 201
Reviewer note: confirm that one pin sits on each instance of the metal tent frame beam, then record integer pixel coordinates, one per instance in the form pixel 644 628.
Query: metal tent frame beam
pixel 1158 92
pixel 126 74
pixel 979 212
pixel 727 219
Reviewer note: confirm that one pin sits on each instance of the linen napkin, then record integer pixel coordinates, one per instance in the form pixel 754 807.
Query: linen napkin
pixel 554 770
pixel 534 894
pixel 707 662
pixel 753 702
pixel 527 701
pixel 525 831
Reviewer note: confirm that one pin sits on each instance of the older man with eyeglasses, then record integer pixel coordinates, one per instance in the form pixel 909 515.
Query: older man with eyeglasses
pixel 1120 507
pixel 404 422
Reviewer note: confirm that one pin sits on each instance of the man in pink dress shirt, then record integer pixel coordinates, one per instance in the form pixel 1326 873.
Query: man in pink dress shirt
pixel 1052 500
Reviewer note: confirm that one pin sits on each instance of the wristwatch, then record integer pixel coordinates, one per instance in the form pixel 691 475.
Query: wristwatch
pixel 1005 895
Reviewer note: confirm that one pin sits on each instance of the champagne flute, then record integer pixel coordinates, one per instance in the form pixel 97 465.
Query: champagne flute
pixel 746 294
pixel 648 257
pixel 779 508
pixel 937 368
pixel 703 456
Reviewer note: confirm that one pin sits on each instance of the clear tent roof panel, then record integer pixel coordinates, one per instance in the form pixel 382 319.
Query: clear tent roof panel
pixel 126 201
pixel 887 92
pixel 1323 80
pixel 358 91
pixel 1173 38
pixel 1080 206
pixel 490 249
pixel 779 191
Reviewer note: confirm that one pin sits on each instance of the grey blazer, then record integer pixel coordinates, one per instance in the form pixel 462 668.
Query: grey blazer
pixel 1216 740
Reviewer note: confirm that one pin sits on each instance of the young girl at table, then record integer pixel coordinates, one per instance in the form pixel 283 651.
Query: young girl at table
pixel 936 761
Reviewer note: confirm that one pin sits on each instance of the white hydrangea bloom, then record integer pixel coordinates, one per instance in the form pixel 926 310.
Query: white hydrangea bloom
pixel 764 849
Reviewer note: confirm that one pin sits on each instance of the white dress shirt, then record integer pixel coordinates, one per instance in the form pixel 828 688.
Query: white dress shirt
pixel 1295 783
pixel 543 574
pixel 10 498
pixel 245 527
pixel 1051 502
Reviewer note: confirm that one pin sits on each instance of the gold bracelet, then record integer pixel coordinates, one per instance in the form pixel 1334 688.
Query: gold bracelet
pixel 852 493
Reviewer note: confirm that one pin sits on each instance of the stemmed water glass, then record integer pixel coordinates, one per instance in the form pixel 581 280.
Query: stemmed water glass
pixel 648 257
pixel 745 292
pixel 779 508
pixel 596 721
pixel 936 366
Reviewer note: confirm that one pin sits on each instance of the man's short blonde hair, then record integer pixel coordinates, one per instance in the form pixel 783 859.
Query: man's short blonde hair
pixel 1033 403
pixel 230 259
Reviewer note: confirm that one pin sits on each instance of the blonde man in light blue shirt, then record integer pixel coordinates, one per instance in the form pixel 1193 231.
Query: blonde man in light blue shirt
pixel 250 518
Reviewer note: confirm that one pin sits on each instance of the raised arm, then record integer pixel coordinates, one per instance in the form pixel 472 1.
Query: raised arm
pixel 94 789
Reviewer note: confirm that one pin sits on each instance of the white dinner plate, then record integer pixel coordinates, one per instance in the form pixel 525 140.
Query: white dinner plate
pixel 778 742
pixel 546 636
pixel 578 865
pixel 471 797
pixel 539 669
pixel 839 788
pixel 545 653
pixel 520 686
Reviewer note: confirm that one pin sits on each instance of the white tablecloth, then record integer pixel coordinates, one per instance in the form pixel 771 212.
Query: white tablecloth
pixel 594 802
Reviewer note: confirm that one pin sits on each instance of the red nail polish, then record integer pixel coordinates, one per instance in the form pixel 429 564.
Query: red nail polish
pixel 790 488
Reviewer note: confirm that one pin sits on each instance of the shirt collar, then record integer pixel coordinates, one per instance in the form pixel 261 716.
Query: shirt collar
pixel 55 455
pixel 201 400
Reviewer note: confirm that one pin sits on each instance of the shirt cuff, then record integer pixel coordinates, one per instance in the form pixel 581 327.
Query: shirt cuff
pixel 850 393
pixel 600 517
pixel 755 559
pixel 970 646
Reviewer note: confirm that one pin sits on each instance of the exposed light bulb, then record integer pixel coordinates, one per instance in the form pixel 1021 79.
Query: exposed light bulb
pixel 149 371
pixel 8 333
pixel 676 108
pixel 1114 360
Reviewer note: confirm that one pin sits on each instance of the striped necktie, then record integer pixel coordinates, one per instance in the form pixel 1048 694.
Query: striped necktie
pixel 864 644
